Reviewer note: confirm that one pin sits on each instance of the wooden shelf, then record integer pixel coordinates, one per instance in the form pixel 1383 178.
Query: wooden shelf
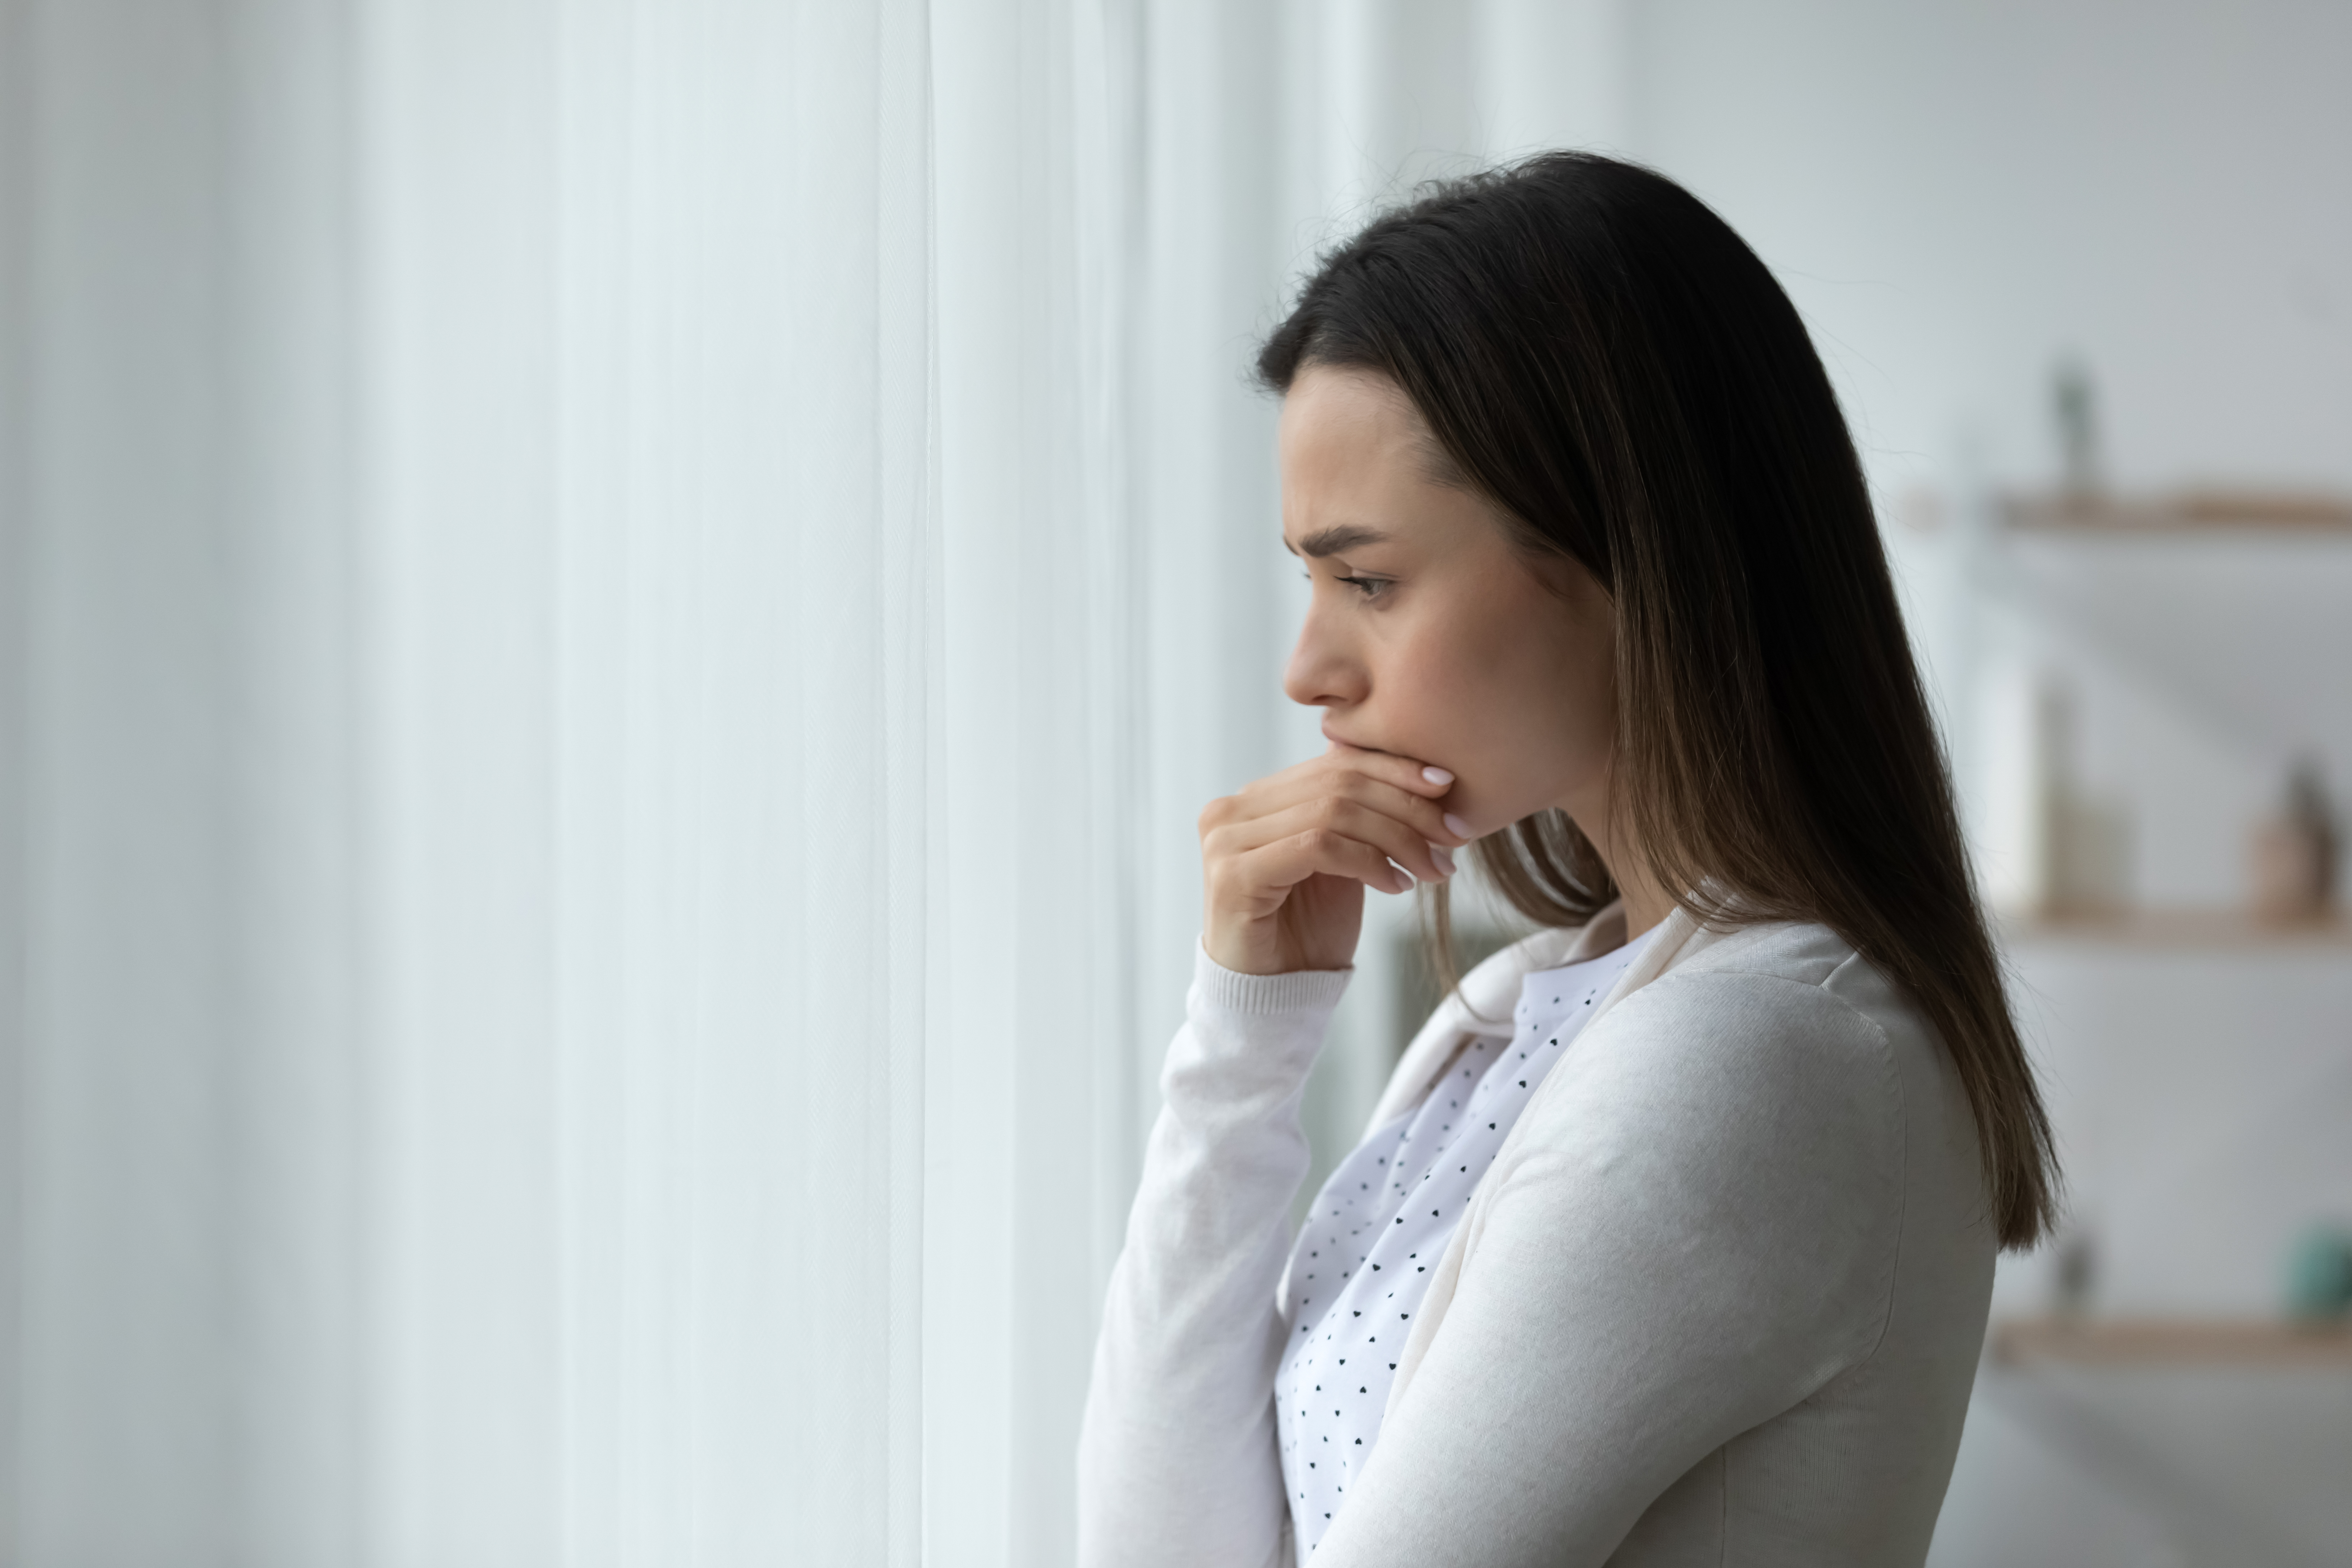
pixel 2179 929
pixel 2171 1342
pixel 2207 513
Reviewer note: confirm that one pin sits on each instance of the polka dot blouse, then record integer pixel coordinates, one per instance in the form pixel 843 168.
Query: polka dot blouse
pixel 1362 1262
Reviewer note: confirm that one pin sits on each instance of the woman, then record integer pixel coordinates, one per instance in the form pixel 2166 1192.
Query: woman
pixel 1672 1239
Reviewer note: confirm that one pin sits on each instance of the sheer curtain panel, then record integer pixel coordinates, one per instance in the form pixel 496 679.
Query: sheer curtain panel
pixel 567 779
pixel 749 834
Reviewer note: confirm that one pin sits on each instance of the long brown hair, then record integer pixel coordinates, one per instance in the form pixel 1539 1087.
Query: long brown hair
pixel 1610 367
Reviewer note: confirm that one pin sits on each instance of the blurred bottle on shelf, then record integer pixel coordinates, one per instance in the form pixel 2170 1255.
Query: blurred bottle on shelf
pixel 2294 853
pixel 2086 838
pixel 2073 1273
pixel 2319 1276
pixel 2061 850
pixel 2074 408
pixel 2052 848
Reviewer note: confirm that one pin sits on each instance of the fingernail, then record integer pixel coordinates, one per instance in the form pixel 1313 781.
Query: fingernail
pixel 1444 856
pixel 1456 826
pixel 1411 881
pixel 1437 775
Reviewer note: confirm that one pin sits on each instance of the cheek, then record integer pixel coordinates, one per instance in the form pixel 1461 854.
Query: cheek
pixel 1513 701
pixel 1583 695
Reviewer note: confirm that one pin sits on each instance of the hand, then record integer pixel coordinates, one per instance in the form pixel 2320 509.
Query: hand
pixel 1284 863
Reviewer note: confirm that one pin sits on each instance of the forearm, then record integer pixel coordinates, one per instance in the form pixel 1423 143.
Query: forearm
pixel 1177 1459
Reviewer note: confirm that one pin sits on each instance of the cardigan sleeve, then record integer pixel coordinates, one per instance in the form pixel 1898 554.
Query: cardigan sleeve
pixel 1177 1457
pixel 1701 1232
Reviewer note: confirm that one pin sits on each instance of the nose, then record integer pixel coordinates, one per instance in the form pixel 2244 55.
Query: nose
pixel 1324 670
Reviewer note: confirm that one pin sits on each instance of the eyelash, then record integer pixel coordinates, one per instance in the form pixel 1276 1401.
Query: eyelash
pixel 1368 589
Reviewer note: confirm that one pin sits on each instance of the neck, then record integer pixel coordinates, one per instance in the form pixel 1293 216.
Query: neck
pixel 1647 902
pixel 1645 906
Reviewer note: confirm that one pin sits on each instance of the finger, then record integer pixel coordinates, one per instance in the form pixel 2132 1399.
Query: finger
pixel 1277 867
pixel 1408 773
pixel 1399 841
pixel 1414 777
pixel 1426 816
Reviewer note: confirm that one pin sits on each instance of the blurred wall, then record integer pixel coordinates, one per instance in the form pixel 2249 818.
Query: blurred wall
pixel 1957 194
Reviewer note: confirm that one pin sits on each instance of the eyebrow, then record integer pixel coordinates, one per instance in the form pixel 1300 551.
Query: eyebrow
pixel 1331 541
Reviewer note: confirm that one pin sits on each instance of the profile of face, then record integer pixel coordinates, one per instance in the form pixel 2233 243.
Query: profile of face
pixel 1429 633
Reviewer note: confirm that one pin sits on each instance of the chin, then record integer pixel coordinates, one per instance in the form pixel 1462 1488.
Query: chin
pixel 1477 812
pixel 1486 817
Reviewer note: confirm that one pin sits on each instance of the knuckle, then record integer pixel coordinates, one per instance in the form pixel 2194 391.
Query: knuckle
pixel 1230 880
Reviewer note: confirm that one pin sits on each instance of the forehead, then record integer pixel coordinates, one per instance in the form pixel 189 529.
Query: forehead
pixel 1353 448
pixel 1358 411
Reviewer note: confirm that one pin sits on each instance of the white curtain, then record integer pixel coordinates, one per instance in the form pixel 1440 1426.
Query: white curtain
pixel 616 615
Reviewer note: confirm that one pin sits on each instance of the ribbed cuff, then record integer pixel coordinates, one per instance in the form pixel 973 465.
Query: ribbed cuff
pixel 1303 991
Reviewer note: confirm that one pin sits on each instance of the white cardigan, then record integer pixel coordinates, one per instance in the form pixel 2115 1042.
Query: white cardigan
pixel 1748 1204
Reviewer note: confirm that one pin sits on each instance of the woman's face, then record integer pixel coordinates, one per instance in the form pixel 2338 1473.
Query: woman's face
pixel 1428 634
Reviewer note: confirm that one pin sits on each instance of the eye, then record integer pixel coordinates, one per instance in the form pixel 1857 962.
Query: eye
pixel 1367 588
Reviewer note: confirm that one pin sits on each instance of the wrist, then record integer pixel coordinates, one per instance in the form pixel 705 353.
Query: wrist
pixel 1265 992
pixel 1235 953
